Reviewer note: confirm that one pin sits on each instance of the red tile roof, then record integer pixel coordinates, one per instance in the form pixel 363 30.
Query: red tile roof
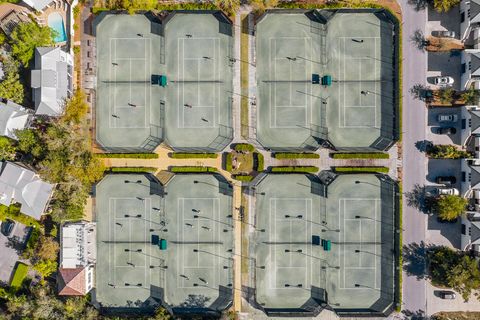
pixel 71 282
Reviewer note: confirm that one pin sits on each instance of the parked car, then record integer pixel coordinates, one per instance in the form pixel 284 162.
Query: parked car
pixel 447 191
pixel 445 117
pixel 447 130
pixel 447 180
pixel 7 227
pixel 444 34
pixel 446 294
pixel 443 81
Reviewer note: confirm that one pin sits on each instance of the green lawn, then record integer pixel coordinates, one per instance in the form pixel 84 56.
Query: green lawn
pixel 20 273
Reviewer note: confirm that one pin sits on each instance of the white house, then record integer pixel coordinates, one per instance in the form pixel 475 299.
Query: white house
pixel 52 81
pixel 13 117
pixel 77 258
pixel 469 18
pixel 23 186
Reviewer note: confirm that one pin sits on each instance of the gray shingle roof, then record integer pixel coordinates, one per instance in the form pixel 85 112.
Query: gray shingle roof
pixel 13 117
pixel 18 184
pixel 474 11
pixel 51 80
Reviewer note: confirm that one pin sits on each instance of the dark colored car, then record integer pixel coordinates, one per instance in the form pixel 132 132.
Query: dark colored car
pixel 446 130
pixel 446 294
pixel 446 180
pixel 7 227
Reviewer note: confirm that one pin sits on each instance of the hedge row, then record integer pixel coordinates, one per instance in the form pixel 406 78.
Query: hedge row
pixel 372 155
pixel 243 177
pixel 244 147
pixel 285 155
pixel 228 162
pixel 360 169
pixel 128 155
pixel 132 169
pixel 260 162
pixel 184 155
pixel 167 6
pixel 19 276
pixel 310 169
pixel 192 169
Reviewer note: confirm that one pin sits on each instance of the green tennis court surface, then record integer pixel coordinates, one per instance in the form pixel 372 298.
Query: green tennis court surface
pixel 193 110
pixel 295 214
pixel 356 49
pixel 190 215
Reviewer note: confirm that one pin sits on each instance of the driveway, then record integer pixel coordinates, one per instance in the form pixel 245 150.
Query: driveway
pixel 445 21
pixel 10 247
pixel 436 304
pixel 444 64
pixel 434 125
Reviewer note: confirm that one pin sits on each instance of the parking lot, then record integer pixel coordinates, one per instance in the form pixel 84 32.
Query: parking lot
pixel 10 248
pixel 434 124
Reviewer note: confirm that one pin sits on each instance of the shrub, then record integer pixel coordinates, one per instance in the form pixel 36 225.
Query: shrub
pixel 260 162
pixel 373 155
pixel 245 147
pixel 128 155
pixel 285 155
pixel 19 276
pixel 132 169
pixel 360 169
pixel 192 169
pixel 446 151
pixel 243 177
pixel 450 207
pixel 183 155
pixel 228 162
pixel 308 169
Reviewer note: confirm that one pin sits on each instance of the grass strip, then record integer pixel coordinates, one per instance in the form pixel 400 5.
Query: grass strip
pixel 259 161
pixel 243 177
pixel 19 276
pixel 245 147
pixel 132 169
pixel 360 169
pixel 372 155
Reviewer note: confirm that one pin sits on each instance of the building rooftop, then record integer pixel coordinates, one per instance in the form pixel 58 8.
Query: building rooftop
pixel 71 282
pixel 13 117
pixel 77 245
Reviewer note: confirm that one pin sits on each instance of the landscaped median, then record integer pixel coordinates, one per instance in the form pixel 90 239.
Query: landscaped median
pixel 185 155
pixel 369 155
pixel 21 271
pixel 243 177
pixel 294 169
pixel 128 155
pixel 360 169
pixel 192 169
pixel 287 155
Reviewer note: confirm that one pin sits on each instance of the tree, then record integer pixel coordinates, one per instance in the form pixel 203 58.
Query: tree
pixel 76 108
pixel 45 267
pixel 7 149
pixel 47 248
pixel 449 207
pixel 11 88
pixel 229 6
pixel 446 151
pixel 455 270
pixel 445 5
pixel 28 143
pixel 470 96
pixel 26 37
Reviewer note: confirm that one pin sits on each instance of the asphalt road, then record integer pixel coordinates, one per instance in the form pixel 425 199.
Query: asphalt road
pixel 414 161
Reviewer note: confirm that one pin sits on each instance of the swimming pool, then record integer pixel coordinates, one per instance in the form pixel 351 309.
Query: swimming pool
pixel 55 21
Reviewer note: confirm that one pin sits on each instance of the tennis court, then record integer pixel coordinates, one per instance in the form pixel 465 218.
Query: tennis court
pixel 191 51
pixel 354 213
pixel 355 48
pixel 189 217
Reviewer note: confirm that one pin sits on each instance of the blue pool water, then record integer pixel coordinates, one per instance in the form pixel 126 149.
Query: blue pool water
pixel 55 21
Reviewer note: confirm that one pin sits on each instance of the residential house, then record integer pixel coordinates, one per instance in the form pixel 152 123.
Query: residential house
pixel 21 185
pixel 38 5
pixel 77 258
pixel 469 19
pixel 13 117
pixel 52 81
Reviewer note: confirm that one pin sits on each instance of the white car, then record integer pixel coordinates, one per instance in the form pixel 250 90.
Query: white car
pixel 448 191
pixel 444 34
pixel 445 117
pixel 443 81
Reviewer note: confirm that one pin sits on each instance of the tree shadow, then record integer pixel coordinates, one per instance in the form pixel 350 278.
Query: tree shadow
pixel 415 259
pixel 418 199
pixel 15 243
pixel 423 145
pixel 414 315
pixel 418 39
pixel 421 92
pixel 419 5
pixel 195 301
